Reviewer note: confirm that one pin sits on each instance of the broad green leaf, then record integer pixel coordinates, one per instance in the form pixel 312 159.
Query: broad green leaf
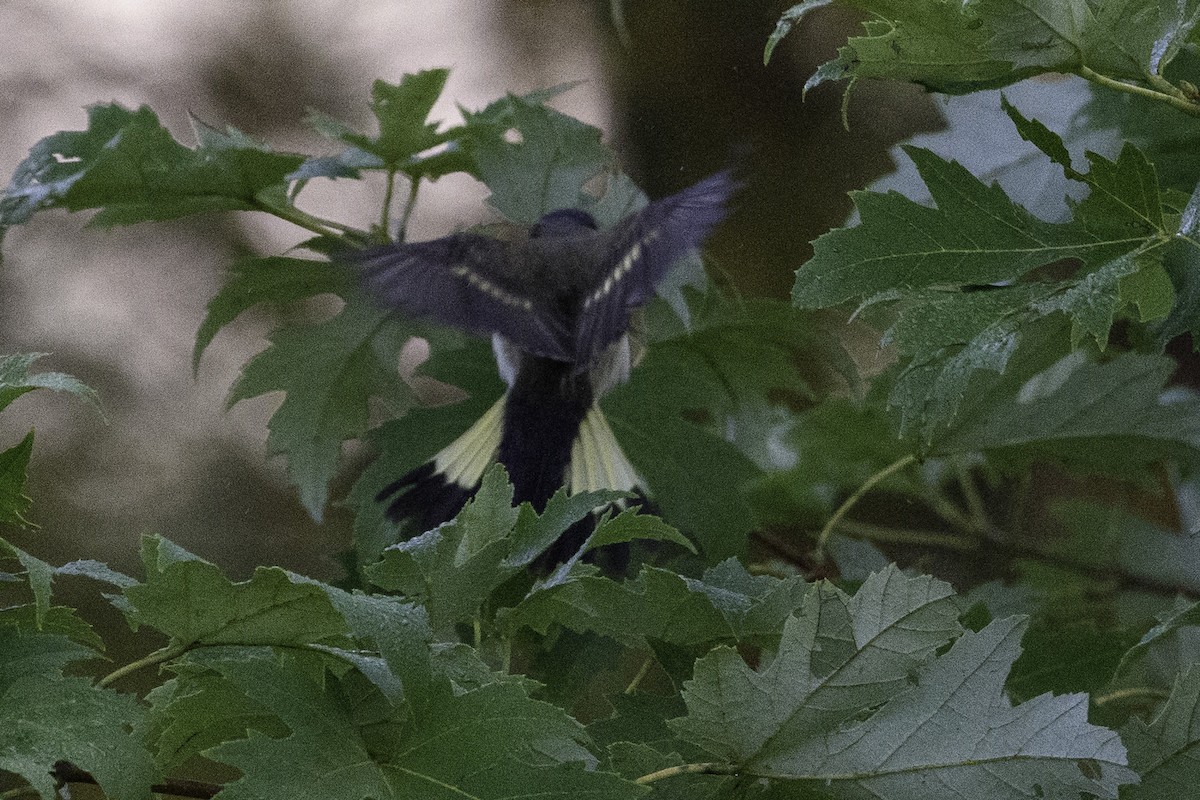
pixel 191 601
pixel 1183 615
pixel 937 43
pixel 1129 39
pixel 533 533
pixel 975 236
pixel 198 710
pixel 726 605
pixel 56 621
pixel 130 167
pixel 953 734
pixel 545 168
pixel 330 371
pixel 1164 751
pixel 15 380
pixel 46 718
pixel 839 656
pixel 276 280
pixel 629 526
pixel 402 111
pixel 454 568
pixel 399 631
pixel 491 742
pixel 14 503
pixel 1086 413
pixel 1062 656
pixel 323 754
pixel 39 574
pixel 27 652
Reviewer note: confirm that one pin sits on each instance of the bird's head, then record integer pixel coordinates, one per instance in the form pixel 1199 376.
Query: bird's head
pixel 564 222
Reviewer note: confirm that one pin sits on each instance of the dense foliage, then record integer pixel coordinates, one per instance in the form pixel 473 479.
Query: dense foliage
pixel 1027 439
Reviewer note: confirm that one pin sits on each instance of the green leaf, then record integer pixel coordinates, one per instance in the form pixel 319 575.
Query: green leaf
pixel 1062 656
pixel 726 605
pixel 545 168
pixel 1131 39
pixel 402 110
pixel 1086 413
pixel 789 20
pixel 533 533
pixel 191 601
pixel 277 280
pixel 27 652
pixel 330 371
pixel 56 621
pixel 46 718
pixel 14 503
pixel 454 568
pixel 939 44
pixel 39 574
pixel 1170 622
pixel 976 235
pixel 491 742
pixel 15 380
pixel 129 166
pixel 629 526
pixel 1162 751
pixel 951 735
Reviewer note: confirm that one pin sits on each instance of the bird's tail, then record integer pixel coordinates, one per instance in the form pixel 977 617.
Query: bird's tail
pixel 436 491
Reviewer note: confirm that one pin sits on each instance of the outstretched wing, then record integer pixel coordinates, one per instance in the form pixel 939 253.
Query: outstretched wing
pixel 639 250
pixel 468 281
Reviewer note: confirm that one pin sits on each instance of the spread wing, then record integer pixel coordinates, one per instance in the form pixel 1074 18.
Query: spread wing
pixel 640 250
pixel 467 281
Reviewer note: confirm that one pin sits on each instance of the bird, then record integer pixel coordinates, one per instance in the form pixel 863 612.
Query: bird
pixel 557 305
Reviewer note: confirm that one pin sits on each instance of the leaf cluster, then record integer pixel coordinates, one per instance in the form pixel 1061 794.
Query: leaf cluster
pixel 756 642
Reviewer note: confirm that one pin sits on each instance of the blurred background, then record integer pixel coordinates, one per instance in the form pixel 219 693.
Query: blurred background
pixel 677 85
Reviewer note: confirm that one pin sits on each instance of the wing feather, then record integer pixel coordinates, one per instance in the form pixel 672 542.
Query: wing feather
pixel 468 281
pixel 641 250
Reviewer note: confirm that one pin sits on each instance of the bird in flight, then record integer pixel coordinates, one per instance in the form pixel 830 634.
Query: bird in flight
pixel 557 306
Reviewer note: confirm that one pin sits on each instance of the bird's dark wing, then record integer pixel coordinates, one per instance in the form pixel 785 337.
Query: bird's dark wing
pixel 639 250
pixel 467 281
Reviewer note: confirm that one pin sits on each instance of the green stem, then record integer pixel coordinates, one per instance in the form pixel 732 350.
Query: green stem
pixel 385 214
pixel 20 791
pixel 157 657
pixel 878 533
pixel 710 768
pixel 853 499
pixel 409 204
pixel 637 679
pixel 1179 100
pixel 1133 692
pixel 979 519
pixel 319 226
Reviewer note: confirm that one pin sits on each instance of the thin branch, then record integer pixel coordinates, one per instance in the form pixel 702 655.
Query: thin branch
pixel 385 214
pixel 319 226
pixel 157 657
pixel 710 768
pixel 1132 693
pixel 1179 101
pixel 637 679
pixel 413 188
pixel 853 499
pixel 979 518
pixel 916 538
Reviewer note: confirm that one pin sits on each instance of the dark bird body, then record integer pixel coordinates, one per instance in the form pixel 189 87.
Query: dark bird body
pixel 557 306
